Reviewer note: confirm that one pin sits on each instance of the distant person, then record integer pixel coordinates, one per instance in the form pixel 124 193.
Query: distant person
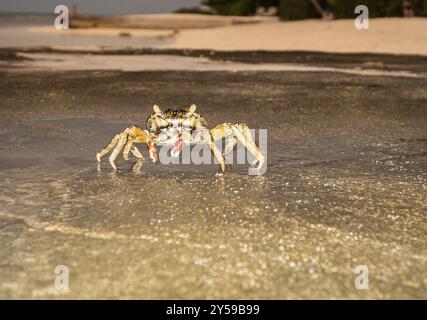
pixel 408 11
pixel 74 11
pixel 324 8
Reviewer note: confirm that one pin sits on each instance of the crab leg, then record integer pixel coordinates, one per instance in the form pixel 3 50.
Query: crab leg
pixel 130 147
pixel 232 132
pixel 243 133
pixel 209 138
pixel 126 139
pixel 137 153
pixel 144 137
pixel 223 131
pixel 127 149
pixel 108 148
pixel 230 143
pixel 113 156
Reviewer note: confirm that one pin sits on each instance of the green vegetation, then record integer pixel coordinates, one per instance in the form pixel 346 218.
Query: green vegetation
pixel 303 9
pixel 377 8
pixel 295 9
pixel 233 7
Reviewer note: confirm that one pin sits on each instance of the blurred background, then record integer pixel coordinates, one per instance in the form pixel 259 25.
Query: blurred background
pixel 303 9
pixel 285 9
pixel 226 25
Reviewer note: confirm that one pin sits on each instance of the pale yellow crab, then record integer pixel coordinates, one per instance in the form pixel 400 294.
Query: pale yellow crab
pixel 180 126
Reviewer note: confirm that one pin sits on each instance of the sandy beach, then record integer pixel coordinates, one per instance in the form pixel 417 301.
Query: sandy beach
pixel 346 154
pixel 386 35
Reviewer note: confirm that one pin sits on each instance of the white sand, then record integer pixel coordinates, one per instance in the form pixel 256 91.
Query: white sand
pixel 385 35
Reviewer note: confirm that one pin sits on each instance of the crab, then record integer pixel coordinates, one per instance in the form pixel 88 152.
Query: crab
pixel 178 127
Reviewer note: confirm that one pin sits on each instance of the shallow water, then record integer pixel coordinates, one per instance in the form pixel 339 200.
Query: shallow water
pixel 30 31
pixel 345 186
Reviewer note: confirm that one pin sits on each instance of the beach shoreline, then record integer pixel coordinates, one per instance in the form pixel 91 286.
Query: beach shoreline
pixel 385 35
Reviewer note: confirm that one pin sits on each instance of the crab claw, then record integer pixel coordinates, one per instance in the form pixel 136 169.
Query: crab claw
pixel 176 150
pixel 152 151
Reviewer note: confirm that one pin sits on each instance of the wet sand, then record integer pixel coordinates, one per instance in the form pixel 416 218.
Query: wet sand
pixel 345 186
pixel 28 62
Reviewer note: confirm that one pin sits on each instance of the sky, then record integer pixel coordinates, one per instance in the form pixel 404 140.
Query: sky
pixel 100 7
